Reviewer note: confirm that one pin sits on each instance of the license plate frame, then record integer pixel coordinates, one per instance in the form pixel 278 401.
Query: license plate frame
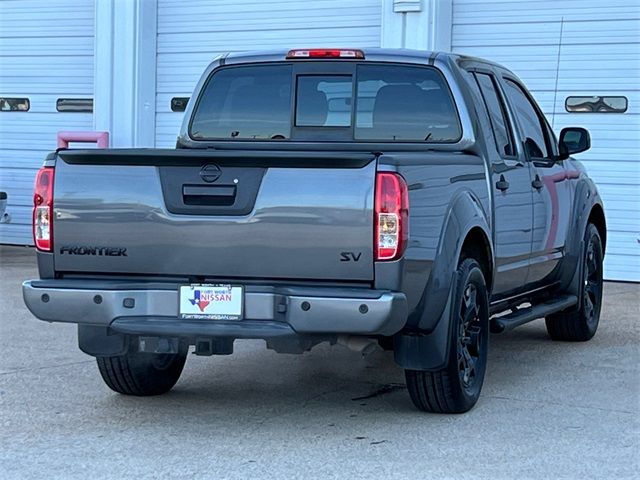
pixel 202 301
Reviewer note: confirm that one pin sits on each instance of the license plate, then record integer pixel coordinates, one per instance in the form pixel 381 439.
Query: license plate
pixel 211 302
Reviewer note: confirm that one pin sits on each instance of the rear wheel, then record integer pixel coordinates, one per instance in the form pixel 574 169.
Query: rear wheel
pixel 580 324
pixel 456 387
pixel 142 374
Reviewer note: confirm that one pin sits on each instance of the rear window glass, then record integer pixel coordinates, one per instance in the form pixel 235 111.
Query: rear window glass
pixel 410 104
pixel 252 102
pixel 392 103
pixel 323 101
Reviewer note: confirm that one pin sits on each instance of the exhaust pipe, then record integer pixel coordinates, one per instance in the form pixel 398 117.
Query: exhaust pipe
pixel 363 345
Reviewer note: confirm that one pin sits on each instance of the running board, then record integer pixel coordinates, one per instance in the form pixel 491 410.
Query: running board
pixel 520 316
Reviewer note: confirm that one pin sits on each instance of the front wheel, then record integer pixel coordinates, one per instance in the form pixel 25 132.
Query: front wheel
pixel 456 387
pixel 142 374
pixel 580 323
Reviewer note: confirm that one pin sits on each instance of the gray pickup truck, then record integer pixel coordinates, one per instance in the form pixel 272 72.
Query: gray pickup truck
pixel 409 199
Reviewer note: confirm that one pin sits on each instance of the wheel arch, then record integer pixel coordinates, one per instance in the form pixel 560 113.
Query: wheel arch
pixel 596 216
pixel 423 344
pixel 477 245
pixel 587 208
pixel 465 224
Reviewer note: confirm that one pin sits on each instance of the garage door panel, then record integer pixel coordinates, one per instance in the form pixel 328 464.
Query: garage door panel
pixel 623 173
pixel 236 12
pixel 46 53
pixel 622 267
pixel 619 221
pixel 73 45
pixel 38 130
pixel 23 158
pixel 191 35
pixel 16 234
pixel 18 183
pixel 269 39
pixel 167 126
pixel 287 19
pixel 163 101
pixel 504 11
pixel 599 55
pixel 46 66
pixel 44 103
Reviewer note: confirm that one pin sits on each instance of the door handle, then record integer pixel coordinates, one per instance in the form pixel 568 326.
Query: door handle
pixel 502 184
pixel 537 183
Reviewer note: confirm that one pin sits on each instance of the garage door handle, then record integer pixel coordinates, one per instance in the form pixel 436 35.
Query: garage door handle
pixel 537 183
pixel 502 184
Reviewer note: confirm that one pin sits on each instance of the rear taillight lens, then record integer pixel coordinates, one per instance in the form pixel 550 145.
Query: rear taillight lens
pixel 391 216
pixel 43 210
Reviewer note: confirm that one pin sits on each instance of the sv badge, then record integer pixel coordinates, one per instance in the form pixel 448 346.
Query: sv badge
pixel 350 256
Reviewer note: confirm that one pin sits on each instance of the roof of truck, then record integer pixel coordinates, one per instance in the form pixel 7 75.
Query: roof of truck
pixel 377 53
pixel 370 53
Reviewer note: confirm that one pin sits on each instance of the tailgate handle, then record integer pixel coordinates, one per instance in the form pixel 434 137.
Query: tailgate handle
pixel 207 191
pixel 209 194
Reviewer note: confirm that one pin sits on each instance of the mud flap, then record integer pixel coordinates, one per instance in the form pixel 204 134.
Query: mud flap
pixel 99 342
pixel 427 351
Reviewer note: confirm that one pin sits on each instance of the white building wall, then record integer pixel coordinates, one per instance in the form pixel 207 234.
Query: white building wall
pixel 585 47
pixel 191 34
pixel 46 53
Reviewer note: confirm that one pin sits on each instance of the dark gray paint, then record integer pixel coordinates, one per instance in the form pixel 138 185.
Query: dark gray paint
pixel 301 221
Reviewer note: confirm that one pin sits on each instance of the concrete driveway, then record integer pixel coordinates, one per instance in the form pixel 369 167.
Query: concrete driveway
pixel 548 409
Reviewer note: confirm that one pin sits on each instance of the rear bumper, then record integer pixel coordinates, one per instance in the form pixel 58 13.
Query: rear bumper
pixel 269 311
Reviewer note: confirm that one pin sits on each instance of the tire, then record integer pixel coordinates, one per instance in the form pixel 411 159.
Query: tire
pixel 456 387
pixel 581 323
pixel 142 374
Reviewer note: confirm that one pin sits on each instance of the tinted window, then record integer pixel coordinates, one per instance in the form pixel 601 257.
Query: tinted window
pixel 74 105
pixel 14 104
pixel 398 103
pixel 323 101
pixel 596 104
pixel 179 104
pixel 501 130
pixel 245 103
pixel 529 121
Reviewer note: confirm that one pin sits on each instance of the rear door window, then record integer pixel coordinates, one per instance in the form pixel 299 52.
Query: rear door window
pixel 495 108
pixel 252 102
pixel 531 124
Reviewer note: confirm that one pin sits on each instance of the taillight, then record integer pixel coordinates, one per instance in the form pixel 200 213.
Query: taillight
pixel 43 210
pixel 391 216
pixel 325 53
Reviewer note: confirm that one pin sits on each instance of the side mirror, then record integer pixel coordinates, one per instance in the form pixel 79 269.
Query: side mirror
pixel 573 140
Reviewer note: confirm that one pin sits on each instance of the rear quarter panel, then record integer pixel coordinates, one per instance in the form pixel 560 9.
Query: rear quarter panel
pixel 448 196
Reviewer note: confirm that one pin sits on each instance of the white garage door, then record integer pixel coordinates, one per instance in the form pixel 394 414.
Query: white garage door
pixel 191 34
pixel 594 47
pixel 46 57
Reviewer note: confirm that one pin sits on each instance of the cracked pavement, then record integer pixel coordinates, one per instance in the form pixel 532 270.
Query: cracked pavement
pixel 548 409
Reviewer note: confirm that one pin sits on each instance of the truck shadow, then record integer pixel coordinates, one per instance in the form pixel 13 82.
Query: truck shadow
pixel 333 381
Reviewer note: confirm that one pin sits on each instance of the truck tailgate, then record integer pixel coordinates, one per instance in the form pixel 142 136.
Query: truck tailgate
pixel 215 214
